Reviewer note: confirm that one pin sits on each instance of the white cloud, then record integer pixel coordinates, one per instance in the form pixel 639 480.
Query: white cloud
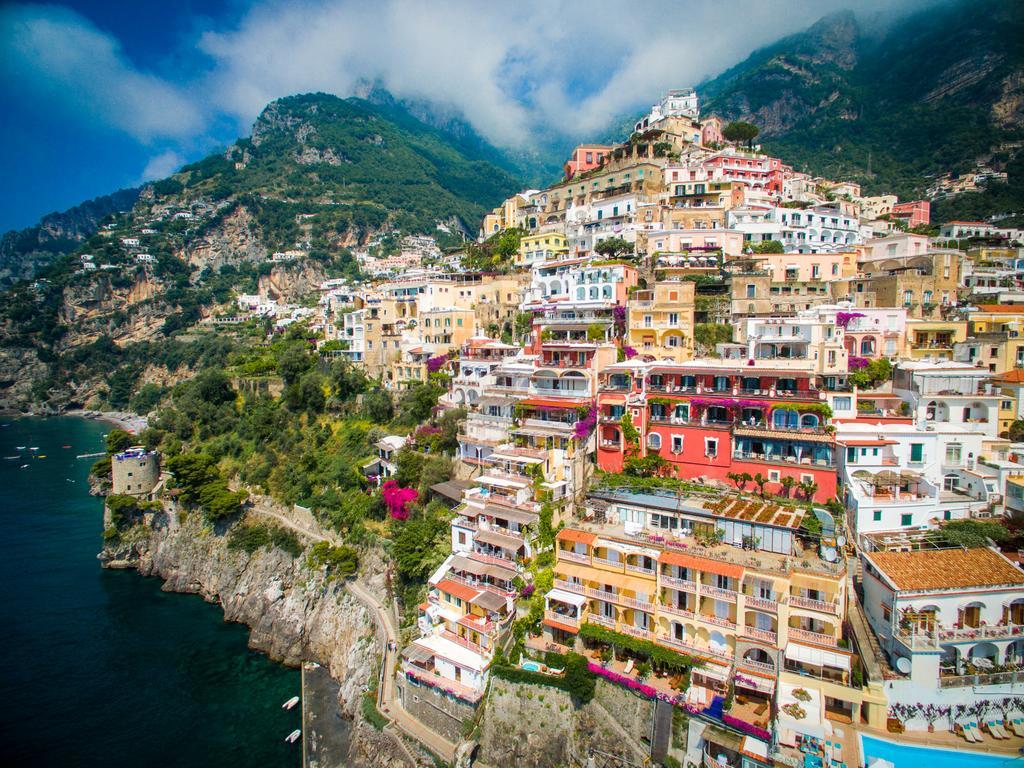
pixel 162 166
pixel 60 58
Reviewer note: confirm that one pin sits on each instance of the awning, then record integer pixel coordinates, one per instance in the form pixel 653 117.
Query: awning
pixel 496 539
pixel 755 748
pixel 819 657
pixel 701 564
pixel 754 683
pixel 490 602
pixel 559 625
pixel 417 654
pixel 569 598
pixel 712 672
pixel 513 515
pixel 546 402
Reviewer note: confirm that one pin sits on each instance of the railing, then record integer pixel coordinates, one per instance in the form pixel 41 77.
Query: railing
pixel 481 585
pixel 639 568
pixel 475 647
pixel 988 632
pixel 760 634
pixel 572 621
pixel 506 562
pixel 991 678
pixel 756 666
pixel 718 592
pixel 686 647
pixel 718 622
pixel 632 602
pixel 604 621
pixel 798 601
pixel 683 584
pixel 677 611
pixel 575 557
pixel 776 459
pixel 611 444
pixel 643 634
pixel 796 633
pixel 761 603
pixel 616 564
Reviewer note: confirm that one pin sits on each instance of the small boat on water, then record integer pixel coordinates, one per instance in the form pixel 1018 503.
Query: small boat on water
pixel 65 446
pixel 41 456
pixel 23 466
pixel 13 457
pixel 292 737
pixel 20 447
pixel 34 448
pixel 290 703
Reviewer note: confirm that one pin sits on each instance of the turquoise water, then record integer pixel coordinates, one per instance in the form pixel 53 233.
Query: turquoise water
pixel 101 667
pixel 905 756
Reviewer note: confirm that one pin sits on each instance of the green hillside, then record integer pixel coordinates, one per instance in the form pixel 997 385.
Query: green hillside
pixel 938 92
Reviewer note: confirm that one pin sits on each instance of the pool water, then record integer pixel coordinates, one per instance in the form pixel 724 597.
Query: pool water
pixel 906 756
pixel 531 666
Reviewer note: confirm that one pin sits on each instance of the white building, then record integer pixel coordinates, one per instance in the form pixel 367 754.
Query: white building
pixel 679 102
pixel 949 393
pixel 946 618
pixel 821 229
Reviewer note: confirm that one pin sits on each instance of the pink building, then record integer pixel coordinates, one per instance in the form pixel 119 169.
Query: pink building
pixel 586 157
pixel 756 171
pixel 916 212
pixel 809 267
pixel 711 131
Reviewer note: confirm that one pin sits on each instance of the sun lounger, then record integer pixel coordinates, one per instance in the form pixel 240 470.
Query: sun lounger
pixel 995 727
pixel 629 666
pixel 1016 724
pixel 975 730
pixel 963 728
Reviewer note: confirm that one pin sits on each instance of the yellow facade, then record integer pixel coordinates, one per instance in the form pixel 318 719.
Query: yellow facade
pixel 934 338
pixel 661 321
pixel 542 246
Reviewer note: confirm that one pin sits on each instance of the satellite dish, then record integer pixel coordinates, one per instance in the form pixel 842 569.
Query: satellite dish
pixel 829 554
pixel 903 665
pixel 841 541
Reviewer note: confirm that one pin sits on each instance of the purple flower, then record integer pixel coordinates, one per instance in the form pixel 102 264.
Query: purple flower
pixel 859 362
pixel 843 318
pixel 629 352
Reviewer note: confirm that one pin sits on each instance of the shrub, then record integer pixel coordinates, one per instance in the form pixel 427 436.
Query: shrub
pixel 248 537
pixel 340 562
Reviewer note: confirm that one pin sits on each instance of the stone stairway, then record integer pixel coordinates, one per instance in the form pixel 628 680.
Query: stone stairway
pixel 662 732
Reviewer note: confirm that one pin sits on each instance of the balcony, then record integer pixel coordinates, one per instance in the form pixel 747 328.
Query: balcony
pixel 443 683
pixel 674 611
pixel 718 592
pixel 639 569
pixel 760 634
pixel 993 678
pixel 613 564
pixel 572 621
pixel 822 606
pixel 643 634
pixel 475 647
pixel 761 603
pixel 716 621
pixel 574 557
pixel 681 584
pixel 795 633
pixel 699 650
pixel 919 637
pixel 756 666
pixel 604 621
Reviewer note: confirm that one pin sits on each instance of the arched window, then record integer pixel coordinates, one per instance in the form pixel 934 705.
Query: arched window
pixel 654 441
pixel 867 346
pixel 606 292
pixel 593 291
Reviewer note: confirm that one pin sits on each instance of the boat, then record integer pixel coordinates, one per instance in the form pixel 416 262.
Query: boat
pixel 65 446
pixel 41 456
pixel 292 737
pixel 13 457
pixel 290 703
pixel 20 447
pixel 23 466
pixel 34 448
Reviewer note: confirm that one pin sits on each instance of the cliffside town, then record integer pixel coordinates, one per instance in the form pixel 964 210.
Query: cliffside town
pixel 736 463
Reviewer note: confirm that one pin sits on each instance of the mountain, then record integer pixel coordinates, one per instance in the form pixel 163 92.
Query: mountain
pixel 318 173
pixel 24 252
pixel 938 91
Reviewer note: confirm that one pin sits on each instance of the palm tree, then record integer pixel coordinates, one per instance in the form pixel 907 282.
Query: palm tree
pixel 787 485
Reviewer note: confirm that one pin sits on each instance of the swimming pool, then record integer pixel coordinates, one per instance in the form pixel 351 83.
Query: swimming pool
pixel 906 756
pixel 530 666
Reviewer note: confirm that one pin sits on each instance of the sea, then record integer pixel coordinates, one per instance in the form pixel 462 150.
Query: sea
pixel 100 667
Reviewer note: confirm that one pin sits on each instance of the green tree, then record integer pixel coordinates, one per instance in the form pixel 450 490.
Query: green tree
pixel 418 401
pixel 379 406
pixel 419 545
pixel 973 533
pixel 1016 431
pixel 614 247
pixel 740 131
pixel 147 398
pixel 294 362
pixel 118 440
pixel 769 246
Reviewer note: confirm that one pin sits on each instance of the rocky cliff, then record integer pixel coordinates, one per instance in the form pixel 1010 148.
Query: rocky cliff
pixel 293 613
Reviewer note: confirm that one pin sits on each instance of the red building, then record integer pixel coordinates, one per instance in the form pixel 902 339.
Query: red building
pixel 708 419
pixel 915 213
pixel 586 157
pixel 756 171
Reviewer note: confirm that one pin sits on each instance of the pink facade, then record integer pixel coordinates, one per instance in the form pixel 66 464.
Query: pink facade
pixel 808 267
pixel 711 131
pixel 586 157
pixel 757 171
pixel 916 212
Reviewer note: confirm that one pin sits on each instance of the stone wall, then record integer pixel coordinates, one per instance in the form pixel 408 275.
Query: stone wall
pixel 434 709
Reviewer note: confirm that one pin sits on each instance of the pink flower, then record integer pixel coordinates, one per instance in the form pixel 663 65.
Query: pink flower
pixel 398 499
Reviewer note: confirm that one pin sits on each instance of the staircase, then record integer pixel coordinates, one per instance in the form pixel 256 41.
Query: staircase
pixel 662 732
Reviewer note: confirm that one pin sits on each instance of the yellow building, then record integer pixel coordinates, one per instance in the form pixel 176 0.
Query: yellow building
pixel 542 246
pixel 994 338
pixel 765 617
pixel 934 338
pixel 661 321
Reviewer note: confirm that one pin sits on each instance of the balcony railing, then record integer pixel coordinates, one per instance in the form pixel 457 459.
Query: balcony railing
pixel 718 592
pixel 639 568
pixel 683 584
pixel 643 634
pixel 795 633
pixel 572 621
pixel 475 647
pixel 686 647
pixel 756 666
pixel 920 637
pixel 616 564
pixel 677 611
pixel 992 678
pixel 604 621
pixel 797 601
pixel 760 634
pixel 761 603
pixel 717 621
pixel 575 557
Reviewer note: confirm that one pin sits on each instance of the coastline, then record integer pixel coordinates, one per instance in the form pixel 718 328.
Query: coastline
pixel 129 422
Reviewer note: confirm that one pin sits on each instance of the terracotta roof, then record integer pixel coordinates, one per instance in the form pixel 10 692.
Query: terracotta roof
pixel 946 568
pixel 543 402
pixel 1016 376
pixel 455 589
pixel 572 534
pixel 1009 309
pixel 561 626
pixel 701 564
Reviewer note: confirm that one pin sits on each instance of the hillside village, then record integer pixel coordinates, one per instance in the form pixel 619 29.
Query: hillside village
pixel 748 432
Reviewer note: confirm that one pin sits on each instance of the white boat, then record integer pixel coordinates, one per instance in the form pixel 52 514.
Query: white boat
pixel 292 737
pixel 20 447
pixel 24 465
pixel 34 448
pixel 290 703
pixel 13 457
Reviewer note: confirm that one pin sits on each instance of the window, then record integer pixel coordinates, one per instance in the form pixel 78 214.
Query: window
pixel 711 447
pixel 673 318
pixel 953 452
pixel 916 453
pixel 654 441
pixel 751 289
pixel 907 519
pixel 877 516
pixel 677 443
pixel 835 269
pixel 851 455
pixel 774 476
pixel 842 403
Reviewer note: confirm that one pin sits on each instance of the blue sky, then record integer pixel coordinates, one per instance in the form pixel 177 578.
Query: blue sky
pixel 103 95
